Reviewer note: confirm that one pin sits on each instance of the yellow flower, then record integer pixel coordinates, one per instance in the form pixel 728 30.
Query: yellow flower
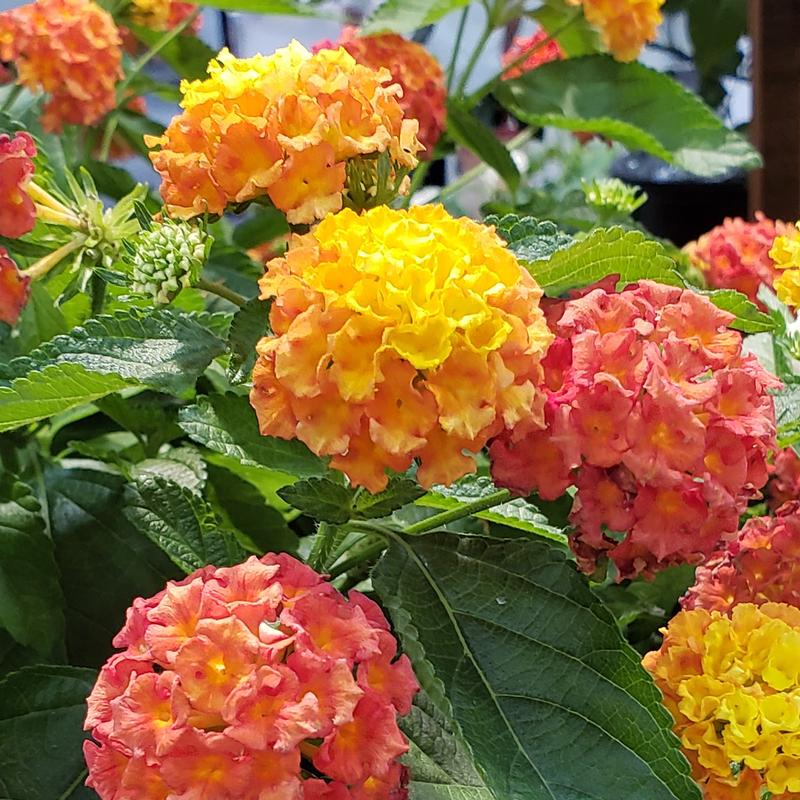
pixel 399 335
pixel 732 684
pixel 785 253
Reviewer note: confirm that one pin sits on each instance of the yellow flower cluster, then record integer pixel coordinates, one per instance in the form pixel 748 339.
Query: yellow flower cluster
pixel 399 335
pixel 732 684
pixel 785 253
pixel 283 125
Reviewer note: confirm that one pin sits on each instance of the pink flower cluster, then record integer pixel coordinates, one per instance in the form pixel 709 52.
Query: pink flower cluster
pixel 253 682
pixel 657 418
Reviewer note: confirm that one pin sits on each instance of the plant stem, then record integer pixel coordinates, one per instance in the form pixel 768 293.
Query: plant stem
pixel 44 265
pixel 438 520
pixel 354 561
pixel 11 98
pixel 222 291
pixel 456 47
pixel 473 59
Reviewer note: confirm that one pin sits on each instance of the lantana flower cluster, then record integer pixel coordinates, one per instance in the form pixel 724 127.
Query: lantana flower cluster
pixel 399 335
pixel 784 478
pixel 284 126
pixel 732 684
pixel 69 49
pixel 785 254
pixel 657 418
pixel 413 69
pixel 735 255
pixel 762 564
pixel 163 15
pixel 541 47
pixel 250 683
pixel 625 25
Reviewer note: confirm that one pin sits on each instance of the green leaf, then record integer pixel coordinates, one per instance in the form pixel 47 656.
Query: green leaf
pixel 468 131
pixel 227 424
pixel 530 239
pixel 398 493
pixel 31 602
pixel 749 318
pixel 182 524
pixel 41 739
pixel 264 224
pixel 641 108
pixel 551 700
pixel 249 324
pixel 321 499
pixel 182 465
pixel 41 319
pixel 187 55
pixel 164 349
pixel 578 37
pixel 405 16
pixel 103 560
pixel 56 388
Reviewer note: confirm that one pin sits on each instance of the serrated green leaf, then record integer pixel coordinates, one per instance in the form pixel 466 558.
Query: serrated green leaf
pixel 405 16
pixel 182 465
pixel 56 388
pixel 31 602
pixel 227 424
pixel 249 324
pixel 41 319
pixel 530 239
pixel 398 493
pixel 468 131
pixel 41 739
pixel 321 499
pixel 187 55
pixel 639 107
pixel 749 318
pixel 577 37
pixel 181 523
pixel 534 669
pixel 264 224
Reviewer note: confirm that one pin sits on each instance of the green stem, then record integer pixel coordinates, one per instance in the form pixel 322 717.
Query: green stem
pixel 473 59
pixel 456 47
pixel 222 291
pixel 366 554
pixel 11 98
pixel 416 181
pixel 98 286
pixel 466 510
pixel 74 785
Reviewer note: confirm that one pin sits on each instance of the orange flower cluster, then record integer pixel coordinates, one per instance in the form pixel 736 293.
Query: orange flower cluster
pixel 761 565
pixel 735 255
pixel 399 335
pixel 625 25
pixel 286 126
pixel 541 48
pixel 657 418
pixel 14 289
pixel 732 685
pixel 413 68
pixel 784 479
pixel 232 676
pixel 69 49
pixel 17 209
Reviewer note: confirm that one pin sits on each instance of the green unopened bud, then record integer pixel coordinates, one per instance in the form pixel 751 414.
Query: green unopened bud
pixel 611 194
pixel 167 258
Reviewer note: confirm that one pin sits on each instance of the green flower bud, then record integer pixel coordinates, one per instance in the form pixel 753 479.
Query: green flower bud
pixel 612 194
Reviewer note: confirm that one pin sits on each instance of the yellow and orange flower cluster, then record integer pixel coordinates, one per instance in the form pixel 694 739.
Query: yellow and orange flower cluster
pixel 414 69
pixel 541 47
pixel 625 25
pixel 231 676
pixel 285 126
pixel 785 254
pixel 163 15
pixel 761 565
pixel 657 418
pixel 70 49
pixel 735 255
pixel 399 335
pixel 732 684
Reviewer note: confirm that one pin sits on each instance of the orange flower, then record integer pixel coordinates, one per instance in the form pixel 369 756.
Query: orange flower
pixel 656 417
pixel 399 335
pixel 17 210
pixel 14 289
pixel 784 478
pixel 287 126
pixel 541 48
pixel 69 49
pixel 233 674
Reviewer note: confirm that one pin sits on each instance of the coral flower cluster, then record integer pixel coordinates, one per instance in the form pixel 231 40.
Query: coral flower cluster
pixel 657 418
pixel 284 126
pixel 761 565
pixel 735 255
pixel 69 49
pixel 784 479
pixel 785 254
pixel 163 15
pixel 732 684
pixel 251 682
pixel 413 69
pixel 541 48
pixel 625 25
pixel 399 335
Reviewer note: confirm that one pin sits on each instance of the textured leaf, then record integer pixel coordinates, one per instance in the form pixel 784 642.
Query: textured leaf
pixel 320 498
pixel 182 524
pixel 182 465
pixel 187 55
pixel 164 349
pixel 41 738
pixel 249 324
pixel 405 16
pixel 748 317
pixel 641 108
pixel 264 224
pixel 54 389
pixel 31 602
pixel 41 319
pixel 468 131
pixel 578 38
pixel 398 493
pixel 528 238
pixel 552 701
pixel 227 424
